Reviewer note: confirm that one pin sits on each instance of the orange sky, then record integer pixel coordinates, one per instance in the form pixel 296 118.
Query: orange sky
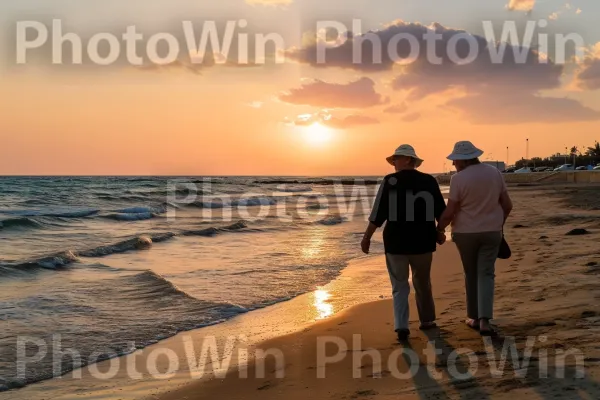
pixel 232 121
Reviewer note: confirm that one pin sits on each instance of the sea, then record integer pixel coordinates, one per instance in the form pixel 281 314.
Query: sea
pixel 108 265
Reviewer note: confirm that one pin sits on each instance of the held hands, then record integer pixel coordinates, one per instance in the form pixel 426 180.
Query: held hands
pixel 441 238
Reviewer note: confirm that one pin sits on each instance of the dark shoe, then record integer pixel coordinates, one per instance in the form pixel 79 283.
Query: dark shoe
pixel 488 332
pixel 473 324
pixel 403 334
pixel 425 326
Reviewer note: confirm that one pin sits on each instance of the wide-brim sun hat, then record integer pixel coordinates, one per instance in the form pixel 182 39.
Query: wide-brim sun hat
pixel 407 151
pixel 464 150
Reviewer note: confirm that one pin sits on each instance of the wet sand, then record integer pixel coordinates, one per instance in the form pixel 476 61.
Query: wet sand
pixel 547 303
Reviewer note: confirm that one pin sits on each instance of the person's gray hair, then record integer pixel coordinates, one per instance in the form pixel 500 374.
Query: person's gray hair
pixel 472 161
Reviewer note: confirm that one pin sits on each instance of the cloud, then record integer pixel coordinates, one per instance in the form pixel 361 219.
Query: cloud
pixel 317 93
pixel 198 65
pixel 269 2
pixel 494 110
pixel 397 109
pixel 342 55
pixel 177 65
pixel 350 121
pixel 588 75
pixel 411 117
pixel 324 117
pixel 521 5
pixel 518 76
pixel 408 55
pixel 255 104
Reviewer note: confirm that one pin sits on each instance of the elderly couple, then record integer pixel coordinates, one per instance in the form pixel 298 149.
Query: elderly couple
pixel 411 202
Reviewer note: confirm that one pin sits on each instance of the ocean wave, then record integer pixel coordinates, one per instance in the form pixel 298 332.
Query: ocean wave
pixel 139 243
pixel 335 220
pixel 143 307
pixel 318 181
pixel 138 210
pixel 151 284
pixel 57 213
pixel 294 189
pixel 130 217
pixel 212 231
pixel 245 202
pixel 212 204
pixel 22 222
pixel 143 242
pixel 255 201
pixel 53 262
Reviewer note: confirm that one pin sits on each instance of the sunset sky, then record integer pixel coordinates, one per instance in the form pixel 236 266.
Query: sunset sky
pixel 295 118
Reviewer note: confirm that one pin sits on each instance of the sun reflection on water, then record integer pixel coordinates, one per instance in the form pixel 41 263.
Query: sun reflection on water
pixel 323 308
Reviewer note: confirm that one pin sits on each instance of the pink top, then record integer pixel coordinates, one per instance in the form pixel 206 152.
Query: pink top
pixel 477 189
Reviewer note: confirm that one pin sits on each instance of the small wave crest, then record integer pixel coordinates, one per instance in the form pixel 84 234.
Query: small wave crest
pixel 53 262
pixel 245 202
pixel 139 243
pixel 21 222
pixel 212 231
pixel 130 217
pixel 335 220
pixel 294 189
pixel 140 210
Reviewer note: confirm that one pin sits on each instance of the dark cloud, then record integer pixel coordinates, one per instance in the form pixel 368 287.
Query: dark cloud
pixel 357 94
pixel 424 79
pixel 588 76
pixel 421 52
pixel 502 90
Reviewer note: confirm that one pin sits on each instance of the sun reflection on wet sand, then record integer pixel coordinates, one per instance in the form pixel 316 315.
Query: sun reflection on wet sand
pixel 322 308
pixel 314 246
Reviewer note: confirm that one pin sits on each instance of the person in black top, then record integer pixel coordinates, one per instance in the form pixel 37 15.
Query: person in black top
pixel 410 202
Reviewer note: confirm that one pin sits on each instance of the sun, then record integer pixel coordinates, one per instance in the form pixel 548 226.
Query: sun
pixel 318 134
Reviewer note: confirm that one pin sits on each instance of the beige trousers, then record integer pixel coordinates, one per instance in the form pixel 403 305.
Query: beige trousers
pixel 398 269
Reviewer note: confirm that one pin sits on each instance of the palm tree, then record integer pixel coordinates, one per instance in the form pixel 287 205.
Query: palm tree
pixel 574 150
pixel 594 151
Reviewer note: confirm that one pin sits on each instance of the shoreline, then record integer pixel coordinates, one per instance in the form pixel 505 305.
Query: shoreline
pixel 283 318
pixel 546 308
pixel 373 321
pixel 549 290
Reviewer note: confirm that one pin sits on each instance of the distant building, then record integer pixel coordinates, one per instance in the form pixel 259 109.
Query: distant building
pixel 498 164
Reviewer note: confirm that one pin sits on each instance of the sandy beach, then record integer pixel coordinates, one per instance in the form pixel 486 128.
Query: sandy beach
pixel 547 294
pixel 547 310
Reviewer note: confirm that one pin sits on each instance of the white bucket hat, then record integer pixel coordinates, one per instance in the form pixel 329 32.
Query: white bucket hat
pixel 464 151
pixel 407 151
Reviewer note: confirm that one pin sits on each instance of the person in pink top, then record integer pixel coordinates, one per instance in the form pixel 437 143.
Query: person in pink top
pixel 478 206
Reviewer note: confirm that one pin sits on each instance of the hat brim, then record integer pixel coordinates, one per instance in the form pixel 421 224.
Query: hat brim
pixel 390 160
pixel 460 157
